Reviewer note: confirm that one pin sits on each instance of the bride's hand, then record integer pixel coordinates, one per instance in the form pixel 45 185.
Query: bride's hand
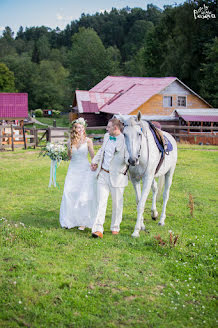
pixel 94 167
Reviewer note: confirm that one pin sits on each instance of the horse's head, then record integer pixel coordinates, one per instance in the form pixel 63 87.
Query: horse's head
pixel 133 138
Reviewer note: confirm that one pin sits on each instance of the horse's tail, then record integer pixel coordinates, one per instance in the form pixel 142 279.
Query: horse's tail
pixel 160 185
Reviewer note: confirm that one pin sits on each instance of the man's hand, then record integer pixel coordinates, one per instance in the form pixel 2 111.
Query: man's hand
pixel 94 167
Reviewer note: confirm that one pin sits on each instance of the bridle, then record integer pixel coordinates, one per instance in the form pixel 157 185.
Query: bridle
pixel 144 132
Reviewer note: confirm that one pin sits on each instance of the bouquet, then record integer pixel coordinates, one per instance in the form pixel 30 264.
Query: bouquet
pixel 57 152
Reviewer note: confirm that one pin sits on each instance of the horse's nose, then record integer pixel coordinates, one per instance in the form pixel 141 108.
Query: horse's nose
pixel 132 161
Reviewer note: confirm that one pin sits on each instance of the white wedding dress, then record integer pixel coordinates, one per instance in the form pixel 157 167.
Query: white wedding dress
pixel 79 204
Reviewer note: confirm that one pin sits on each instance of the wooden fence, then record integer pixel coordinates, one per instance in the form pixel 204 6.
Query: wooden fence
pixel 15 136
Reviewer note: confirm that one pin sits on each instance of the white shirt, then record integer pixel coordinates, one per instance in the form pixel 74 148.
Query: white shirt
pixel 109 152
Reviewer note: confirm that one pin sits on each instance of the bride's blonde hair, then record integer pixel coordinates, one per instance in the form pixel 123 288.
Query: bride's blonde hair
pixel 75 136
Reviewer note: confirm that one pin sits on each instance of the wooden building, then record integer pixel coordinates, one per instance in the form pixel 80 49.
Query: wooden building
pixel 47 112
pixel 127 95
pixel 13 111
pixel 13 107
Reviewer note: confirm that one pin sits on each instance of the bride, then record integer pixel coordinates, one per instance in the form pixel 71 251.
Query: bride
pixel 78 204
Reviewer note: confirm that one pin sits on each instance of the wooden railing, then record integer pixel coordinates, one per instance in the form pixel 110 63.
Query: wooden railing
pixel 10 139
pixel 34 137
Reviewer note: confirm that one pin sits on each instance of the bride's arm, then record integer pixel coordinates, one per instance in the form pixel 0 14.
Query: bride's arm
pixel 69 150
pixel 90 148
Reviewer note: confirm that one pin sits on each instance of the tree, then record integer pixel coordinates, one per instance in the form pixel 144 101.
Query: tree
pixel 209 83
pixel 88 60
pixel 50 86
pixel 8 34
pixel 25 72
pixel 136 37
pixel 114 60
pixel 6 79
pixel 41 49
pixel 7 43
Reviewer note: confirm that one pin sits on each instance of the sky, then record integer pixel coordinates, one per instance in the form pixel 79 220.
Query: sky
pixel 53 13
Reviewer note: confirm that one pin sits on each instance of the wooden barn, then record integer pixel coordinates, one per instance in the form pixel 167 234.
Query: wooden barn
pixel 13 111
pixel 127 95
pixel 13 108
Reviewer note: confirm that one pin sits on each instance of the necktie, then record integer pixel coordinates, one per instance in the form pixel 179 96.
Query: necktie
pixel 112 138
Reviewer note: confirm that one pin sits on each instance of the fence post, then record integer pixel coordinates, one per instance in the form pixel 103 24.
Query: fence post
pixel 211 128
pixel 49 134
pixel 36 137
pixel 24 138
pixel 12 138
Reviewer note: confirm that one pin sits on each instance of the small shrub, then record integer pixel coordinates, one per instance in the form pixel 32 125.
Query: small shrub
pixel 38 113
pixel 56 113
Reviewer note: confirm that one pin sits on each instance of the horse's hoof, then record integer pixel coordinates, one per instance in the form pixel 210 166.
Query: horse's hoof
pixel 161 223
pixel 135 234
pixel 154 215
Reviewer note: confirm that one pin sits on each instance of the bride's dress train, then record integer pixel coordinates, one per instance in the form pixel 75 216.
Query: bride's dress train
pixel 78 206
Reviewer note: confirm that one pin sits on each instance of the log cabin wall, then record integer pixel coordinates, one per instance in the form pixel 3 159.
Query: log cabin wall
pixel 155 105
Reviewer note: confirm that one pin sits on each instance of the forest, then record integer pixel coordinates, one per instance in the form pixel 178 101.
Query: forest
pixel 50 64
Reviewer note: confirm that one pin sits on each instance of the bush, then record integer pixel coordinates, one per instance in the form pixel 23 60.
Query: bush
pixel 38 113
pixel 56 113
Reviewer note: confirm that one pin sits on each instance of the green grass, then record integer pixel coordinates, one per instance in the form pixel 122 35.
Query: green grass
pixel 62 121
pixel 51 277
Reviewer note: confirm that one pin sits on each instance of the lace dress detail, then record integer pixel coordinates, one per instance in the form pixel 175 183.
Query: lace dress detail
pixel 78 206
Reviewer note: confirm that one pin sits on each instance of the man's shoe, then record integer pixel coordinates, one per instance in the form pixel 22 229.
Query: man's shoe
pixel 97 234
pixel 115 232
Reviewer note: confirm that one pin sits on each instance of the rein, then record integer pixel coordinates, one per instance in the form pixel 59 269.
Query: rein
pixel 144 131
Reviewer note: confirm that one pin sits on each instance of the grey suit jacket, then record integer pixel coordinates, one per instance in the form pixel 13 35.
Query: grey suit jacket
pixel 118 164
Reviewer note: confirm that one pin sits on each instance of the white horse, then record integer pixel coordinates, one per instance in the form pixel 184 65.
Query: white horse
pixel 144 157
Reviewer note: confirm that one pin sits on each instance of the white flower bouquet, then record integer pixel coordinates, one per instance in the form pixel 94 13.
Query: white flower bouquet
pixel 57 152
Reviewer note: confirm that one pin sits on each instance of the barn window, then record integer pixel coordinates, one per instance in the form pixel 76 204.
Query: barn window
pixel 168 101
pixel 181 101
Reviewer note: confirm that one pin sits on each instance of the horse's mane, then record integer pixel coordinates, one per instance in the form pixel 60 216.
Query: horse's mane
pixel 131 121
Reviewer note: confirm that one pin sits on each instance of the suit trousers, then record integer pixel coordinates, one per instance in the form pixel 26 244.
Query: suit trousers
pixel 104 187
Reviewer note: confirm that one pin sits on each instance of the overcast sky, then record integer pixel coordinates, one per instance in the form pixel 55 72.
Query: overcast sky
pixel 53 13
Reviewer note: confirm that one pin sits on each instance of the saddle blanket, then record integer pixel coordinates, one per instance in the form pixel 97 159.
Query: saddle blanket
pixel 162 148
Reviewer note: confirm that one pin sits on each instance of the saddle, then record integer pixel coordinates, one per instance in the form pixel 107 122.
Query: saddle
pixel 162 142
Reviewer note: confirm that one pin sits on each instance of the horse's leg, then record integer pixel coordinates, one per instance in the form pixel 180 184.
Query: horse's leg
pixel 168 182
pixel 137 187
pixel 141 205
pixel 154 213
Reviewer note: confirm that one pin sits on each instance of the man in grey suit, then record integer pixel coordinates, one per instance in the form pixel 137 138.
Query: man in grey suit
pixel 110 164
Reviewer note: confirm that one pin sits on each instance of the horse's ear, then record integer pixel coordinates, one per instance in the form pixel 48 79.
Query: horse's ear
pixel 139 115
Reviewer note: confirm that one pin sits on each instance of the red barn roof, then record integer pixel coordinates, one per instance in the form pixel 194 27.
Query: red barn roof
pixel 123 94
pixel 120 94
pixel 198 114
pixel 131 92
pixel 13 105
pixel 89 102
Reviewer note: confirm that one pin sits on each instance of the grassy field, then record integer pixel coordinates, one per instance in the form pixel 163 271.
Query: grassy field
pixel 62 121
pixel 50 277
